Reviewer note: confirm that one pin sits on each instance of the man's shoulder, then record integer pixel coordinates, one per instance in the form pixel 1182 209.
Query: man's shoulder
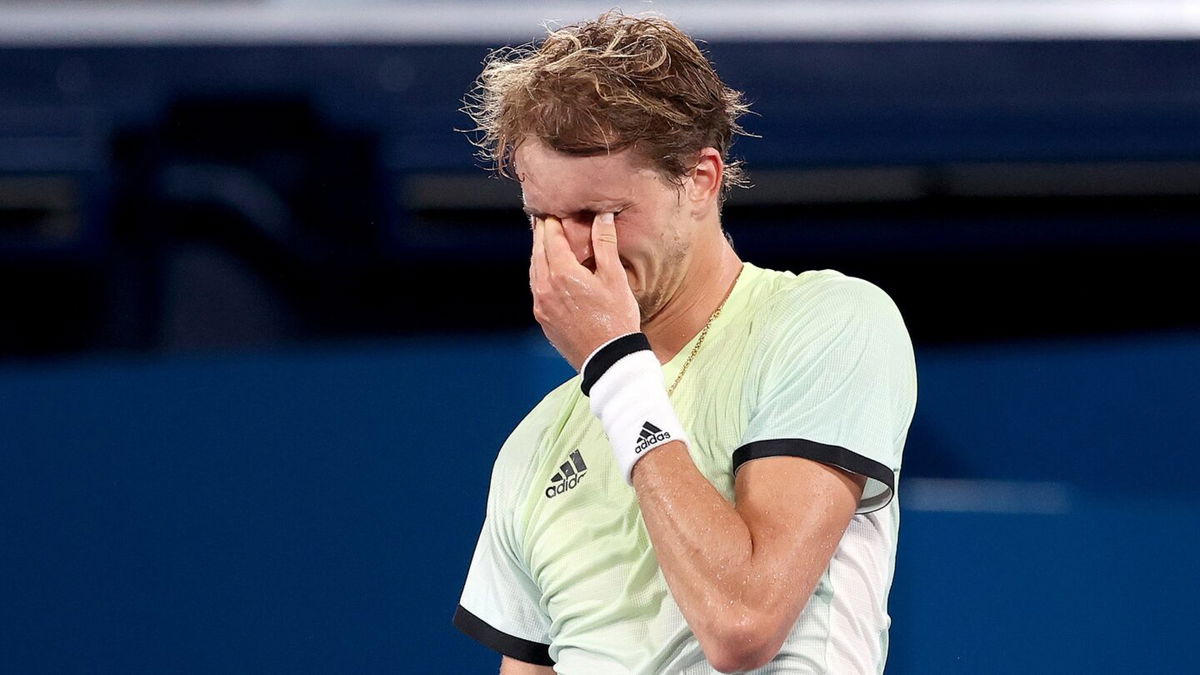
pixel 528 438
pixel 784 296
pixel 557 403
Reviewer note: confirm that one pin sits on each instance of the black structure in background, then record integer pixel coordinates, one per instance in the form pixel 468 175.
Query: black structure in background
pixel 199 197
pixel 263 182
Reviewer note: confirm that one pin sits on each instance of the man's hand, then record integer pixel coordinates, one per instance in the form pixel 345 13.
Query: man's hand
pixel 578 309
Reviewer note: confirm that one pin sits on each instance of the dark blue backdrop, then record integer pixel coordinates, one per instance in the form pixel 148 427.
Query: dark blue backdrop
pixel 315 511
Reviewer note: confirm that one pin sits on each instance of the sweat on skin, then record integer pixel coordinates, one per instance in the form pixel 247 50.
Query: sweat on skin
pixel 741 572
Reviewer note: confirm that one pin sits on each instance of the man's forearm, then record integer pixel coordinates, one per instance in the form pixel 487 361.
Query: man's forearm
pixel 741 574
pixel 707 554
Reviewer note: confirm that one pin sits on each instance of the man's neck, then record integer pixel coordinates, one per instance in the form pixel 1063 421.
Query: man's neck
pixel 706 284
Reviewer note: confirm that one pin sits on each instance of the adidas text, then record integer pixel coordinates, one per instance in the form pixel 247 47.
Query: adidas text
pixel 652 440
pixel 568 475
pixel 649 435
pixel 559 488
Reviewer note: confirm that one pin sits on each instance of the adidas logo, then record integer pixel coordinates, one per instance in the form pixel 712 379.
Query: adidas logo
pixel 568 475
pixel 650 435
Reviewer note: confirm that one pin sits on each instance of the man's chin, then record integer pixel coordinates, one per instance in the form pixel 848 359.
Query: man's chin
pixel 648 306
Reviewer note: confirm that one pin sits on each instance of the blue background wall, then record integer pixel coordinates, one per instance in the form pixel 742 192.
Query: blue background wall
pixel 315 511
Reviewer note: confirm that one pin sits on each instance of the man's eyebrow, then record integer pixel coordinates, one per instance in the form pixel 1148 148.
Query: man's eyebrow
pixel 594 207
pixel 600 204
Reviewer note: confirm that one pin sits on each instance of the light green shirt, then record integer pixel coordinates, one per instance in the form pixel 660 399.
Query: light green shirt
pixel 817 365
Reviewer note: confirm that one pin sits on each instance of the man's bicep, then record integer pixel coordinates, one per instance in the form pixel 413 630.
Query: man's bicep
pixel 800 497
pixel 797 511
pixel 511 666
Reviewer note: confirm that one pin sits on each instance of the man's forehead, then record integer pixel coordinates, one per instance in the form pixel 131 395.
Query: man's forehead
pixel 558 183
pixel 582 192
pixel 567 206
pixel 571 203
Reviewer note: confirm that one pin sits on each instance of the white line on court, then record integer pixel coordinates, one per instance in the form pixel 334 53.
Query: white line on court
pixel 985 496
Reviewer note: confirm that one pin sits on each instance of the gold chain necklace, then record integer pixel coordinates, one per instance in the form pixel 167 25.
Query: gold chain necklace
pixel 703 334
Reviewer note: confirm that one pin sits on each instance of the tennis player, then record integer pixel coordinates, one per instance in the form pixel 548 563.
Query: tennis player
pixel 715 490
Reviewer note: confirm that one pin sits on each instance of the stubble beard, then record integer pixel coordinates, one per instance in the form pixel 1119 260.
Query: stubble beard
pixel 652 300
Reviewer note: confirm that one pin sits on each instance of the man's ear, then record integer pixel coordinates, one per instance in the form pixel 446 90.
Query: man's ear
pixel 704 183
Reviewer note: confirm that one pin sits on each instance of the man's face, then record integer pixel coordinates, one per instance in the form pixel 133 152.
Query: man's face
pixel 654 230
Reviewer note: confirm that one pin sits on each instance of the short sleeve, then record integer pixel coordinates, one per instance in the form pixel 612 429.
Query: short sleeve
pixel 834 381
pixel 500 604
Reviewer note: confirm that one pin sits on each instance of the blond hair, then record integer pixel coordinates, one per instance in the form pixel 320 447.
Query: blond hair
pixel 603 86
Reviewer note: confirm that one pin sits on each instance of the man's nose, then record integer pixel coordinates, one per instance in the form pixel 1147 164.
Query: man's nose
pixel 579 236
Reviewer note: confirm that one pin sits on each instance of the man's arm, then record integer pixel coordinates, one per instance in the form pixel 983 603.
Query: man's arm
pixel 741 574
pixel 511 666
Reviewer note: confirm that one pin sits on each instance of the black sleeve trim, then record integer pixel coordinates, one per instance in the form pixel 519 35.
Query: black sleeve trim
pixel 818 452
pixel 508 645
pixel 609 354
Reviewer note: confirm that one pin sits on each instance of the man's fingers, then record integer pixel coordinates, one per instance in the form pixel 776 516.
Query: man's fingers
pixel 557 249
pixel 537 261
pixel 604 243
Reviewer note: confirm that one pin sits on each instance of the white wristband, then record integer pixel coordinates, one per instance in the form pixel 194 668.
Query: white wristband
pixel 633 407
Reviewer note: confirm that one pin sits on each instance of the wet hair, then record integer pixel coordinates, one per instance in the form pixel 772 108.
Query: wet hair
pixel 603 86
